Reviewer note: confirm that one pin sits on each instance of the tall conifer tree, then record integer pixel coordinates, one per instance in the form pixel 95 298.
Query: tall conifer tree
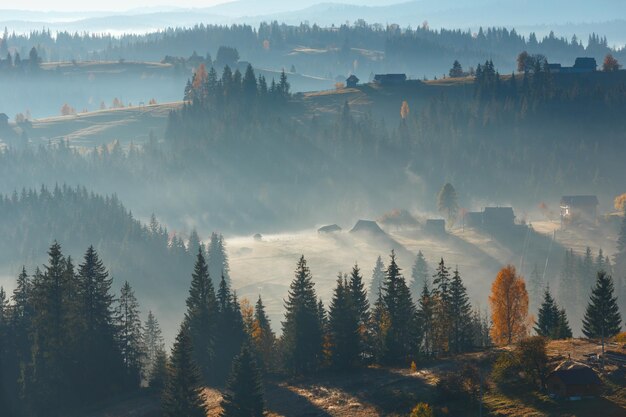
pixel 182 395
pixel 244 391
pixel 201 317
pixel 302 330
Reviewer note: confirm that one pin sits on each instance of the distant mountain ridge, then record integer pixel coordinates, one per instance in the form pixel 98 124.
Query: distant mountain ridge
pixel 463 14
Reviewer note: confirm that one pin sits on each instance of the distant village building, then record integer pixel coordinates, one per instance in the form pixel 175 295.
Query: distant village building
pixel 491 218
pixel 368 226
pixel 573 380
pixel 332 228
pixel 581 65
pixel 575 208
pixel 352 81
pixel 4 120
pixel 389 79
pixel 435 226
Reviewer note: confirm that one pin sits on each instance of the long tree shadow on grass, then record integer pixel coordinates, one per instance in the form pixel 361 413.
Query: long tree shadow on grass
pixel 387 391
pixel 587 407
pixel 282 400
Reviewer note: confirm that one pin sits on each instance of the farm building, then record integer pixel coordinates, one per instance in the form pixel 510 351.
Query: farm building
pixel 352 81
pixel 573 380
pixel 435 226
pixel 491 218
pixel 389 79
pixel 576 208
pixel 581 65
pixel 332 228
pixel 368 226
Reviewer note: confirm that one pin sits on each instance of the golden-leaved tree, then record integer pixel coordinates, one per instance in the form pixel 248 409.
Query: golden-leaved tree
pixel 509 307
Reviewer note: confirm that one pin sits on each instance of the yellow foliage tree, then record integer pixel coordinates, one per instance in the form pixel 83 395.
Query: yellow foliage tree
pixel 620 202
pixel 509 307
pixel 200 76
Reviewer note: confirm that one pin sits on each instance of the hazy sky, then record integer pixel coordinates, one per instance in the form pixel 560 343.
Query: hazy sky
pixel 109 5
pixel 124 5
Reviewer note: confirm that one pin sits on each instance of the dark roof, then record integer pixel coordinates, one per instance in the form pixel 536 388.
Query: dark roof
pixel 353 78
pixel 579 200
pixel 329 229
pixel 367 226
pixel 554 66
pixel 575 373
pixel 390 77
pixel 585 62
pixel 3 116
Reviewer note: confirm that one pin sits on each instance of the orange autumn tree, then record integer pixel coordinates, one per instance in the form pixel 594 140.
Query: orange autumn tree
pixel 509 307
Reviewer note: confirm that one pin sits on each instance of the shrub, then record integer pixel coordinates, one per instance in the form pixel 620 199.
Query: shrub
pixel 506 368
pixel 422 410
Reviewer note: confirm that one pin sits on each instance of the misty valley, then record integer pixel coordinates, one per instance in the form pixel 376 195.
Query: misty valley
pixel 220 211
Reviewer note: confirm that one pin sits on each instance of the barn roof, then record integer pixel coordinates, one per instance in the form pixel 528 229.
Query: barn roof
pixel 585 62
pixel 579 200
pixel 367 226
pixel 390 77
pixel 353 78
pixel 575 373
pixel 329 229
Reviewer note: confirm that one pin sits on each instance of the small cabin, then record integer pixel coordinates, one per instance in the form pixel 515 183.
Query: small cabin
pixel 573 380
pixel 576 208
pixel 331 228
pixel 581 65
pixel 435 226
pixel 498 217
pixel 389 79
pixel 352 81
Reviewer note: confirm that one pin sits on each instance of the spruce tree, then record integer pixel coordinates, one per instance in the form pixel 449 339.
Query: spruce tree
pixel 548 319
pixel 263 337
pixel 201 317
pixel 460 315
pixel 182 395
pixel 343 325
pixel 602 318
pixel 158 372
pixel 99 356
pixel 47 377
pixel 401 335
pixel 129 331
pixel 243 396
pixel 230 329
pixel 564 331
pixel 361 307
pixel 302 330
pixel 441 307
pixel 153 344
pixel 419 276
pixel 217 259
pixel 425 316
pixel 379 327
pixel 21 318
pixel 378 276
